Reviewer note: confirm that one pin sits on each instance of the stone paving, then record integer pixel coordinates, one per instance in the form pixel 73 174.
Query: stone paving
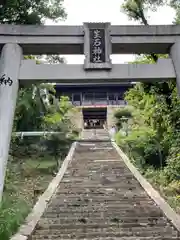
pixel 99 198
pixel 95 134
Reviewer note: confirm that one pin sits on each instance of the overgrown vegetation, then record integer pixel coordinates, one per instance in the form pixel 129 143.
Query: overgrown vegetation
pixel 25 181
pixel 34 161
pixel 153 139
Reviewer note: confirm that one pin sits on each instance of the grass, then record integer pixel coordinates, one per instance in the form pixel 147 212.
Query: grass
pixel 25 181
pixel 169 191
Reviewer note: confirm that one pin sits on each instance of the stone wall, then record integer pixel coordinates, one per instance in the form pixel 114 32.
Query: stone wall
pixel 76 117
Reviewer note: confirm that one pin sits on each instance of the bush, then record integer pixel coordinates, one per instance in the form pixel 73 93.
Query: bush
pixel 172 169
pixel 12 215
pixel 143 147
pixel 156 177
pixel 121 115
pixel 124 112
pixel 173 188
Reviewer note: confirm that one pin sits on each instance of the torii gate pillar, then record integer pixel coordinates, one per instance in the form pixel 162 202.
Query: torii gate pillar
pixel 11 57
pixel 175 56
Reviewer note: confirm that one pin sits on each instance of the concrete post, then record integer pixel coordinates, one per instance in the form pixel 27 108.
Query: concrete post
pixel 11 56
pixel 175 55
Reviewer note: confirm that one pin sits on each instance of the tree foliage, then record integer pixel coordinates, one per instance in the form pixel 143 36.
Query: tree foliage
pixel 31 11
pixel 137 10
pixel 55 59
pixel 156 107
pixel 122 115
pixel 155 126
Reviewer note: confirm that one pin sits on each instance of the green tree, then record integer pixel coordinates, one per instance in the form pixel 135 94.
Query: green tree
pixel 31 11
pixel 58 121
pixel 122 116
pixel 136 9
pixel 32 105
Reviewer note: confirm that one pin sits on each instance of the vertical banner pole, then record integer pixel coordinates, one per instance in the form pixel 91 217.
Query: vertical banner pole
pixel 11 56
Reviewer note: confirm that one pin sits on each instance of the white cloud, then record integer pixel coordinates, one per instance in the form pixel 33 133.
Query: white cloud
pixel 80 11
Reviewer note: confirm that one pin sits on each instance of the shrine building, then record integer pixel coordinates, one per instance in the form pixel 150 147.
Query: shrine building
pixel 95 102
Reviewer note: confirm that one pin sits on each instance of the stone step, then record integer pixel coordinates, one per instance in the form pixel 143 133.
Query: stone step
pixel 107 229
pixel 122 213
pixel 123 223
pixel 108 197
pixel 111 217
pixel 105 233
pixel 109 238
pixel 99 198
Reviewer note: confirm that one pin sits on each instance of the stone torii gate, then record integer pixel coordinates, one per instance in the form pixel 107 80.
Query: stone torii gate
pixel 97 41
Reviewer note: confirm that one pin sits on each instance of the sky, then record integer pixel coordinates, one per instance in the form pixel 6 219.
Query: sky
pixel 80 11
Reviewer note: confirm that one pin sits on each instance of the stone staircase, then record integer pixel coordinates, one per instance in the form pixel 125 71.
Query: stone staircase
pixel 99 198
pixel 95 134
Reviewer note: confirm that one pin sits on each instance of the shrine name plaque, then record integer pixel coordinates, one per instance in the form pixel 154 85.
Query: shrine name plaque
pixel 97 46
